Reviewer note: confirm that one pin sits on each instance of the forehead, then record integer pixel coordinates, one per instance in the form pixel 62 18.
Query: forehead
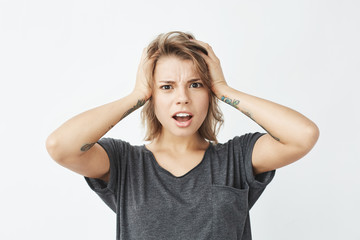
pixel 174 68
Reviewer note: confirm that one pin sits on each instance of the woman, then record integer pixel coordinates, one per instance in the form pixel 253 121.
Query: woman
pixel 183 184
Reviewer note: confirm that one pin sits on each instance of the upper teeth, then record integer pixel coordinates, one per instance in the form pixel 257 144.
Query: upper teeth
pixel 182 115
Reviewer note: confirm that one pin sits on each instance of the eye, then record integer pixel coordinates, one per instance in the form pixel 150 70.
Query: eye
pixel 196 85
pixel 166 87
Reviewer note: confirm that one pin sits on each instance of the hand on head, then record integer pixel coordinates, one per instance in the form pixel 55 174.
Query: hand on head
pixel 144 72
pixel 213 63
pixel 142 78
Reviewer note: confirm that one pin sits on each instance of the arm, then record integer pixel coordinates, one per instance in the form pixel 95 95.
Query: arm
pixel 290 134
pixel 73 145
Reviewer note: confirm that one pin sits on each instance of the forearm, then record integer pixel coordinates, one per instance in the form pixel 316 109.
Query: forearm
pixel 80 133
pixel 282 123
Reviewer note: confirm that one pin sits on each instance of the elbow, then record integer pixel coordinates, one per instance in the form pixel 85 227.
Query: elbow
pixel 314 133
pixel 310 136
pixel 52 147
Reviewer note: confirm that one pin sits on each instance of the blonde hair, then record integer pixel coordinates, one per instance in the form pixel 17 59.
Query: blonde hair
pixel 179 44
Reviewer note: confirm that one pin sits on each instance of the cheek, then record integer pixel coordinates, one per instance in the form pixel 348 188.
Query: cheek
pixel 205 99
pixel 156 109
pixel 203 102
pixel 160 107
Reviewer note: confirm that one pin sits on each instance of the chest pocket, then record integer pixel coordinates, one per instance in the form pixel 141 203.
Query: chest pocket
pixel 230 211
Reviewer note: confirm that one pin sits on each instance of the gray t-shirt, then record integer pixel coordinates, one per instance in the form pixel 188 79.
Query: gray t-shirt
pixel 210 202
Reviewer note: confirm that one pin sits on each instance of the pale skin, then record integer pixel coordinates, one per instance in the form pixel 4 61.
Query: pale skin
pixel 178 88
pixel 74 146
pixel 290 136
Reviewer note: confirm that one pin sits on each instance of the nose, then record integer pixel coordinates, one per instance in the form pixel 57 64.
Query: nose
pixel 182 96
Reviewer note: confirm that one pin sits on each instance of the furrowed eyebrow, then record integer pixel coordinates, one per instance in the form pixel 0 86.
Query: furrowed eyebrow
pixel 189 81
pixel 167 81
pixel 194 80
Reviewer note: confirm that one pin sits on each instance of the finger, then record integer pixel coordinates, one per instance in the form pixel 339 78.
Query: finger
pixel 208 48
pixel 204 44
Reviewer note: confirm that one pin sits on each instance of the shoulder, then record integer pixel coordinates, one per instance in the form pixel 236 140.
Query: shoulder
pixel 244 142
pixel 114 143
pixel 121 149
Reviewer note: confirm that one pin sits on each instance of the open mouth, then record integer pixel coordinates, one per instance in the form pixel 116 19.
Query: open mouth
pixel 182 117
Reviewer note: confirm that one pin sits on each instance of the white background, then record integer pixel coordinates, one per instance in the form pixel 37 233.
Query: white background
pixel 59 58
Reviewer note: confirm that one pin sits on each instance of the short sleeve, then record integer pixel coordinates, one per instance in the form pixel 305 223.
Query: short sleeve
pixel 244 146
pixel 108 191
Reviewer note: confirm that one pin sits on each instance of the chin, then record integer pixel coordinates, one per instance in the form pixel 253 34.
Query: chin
pixel 184 132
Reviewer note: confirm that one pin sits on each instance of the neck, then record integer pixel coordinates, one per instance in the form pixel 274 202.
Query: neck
pixel 180 144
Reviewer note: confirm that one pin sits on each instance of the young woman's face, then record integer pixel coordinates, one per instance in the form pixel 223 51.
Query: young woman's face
pixel 181 100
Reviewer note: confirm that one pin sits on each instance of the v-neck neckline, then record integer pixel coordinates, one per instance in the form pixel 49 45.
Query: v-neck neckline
pixel 153 158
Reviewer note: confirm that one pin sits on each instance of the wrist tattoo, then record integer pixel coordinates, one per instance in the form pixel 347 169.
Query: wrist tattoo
pixel 233 103
pixel 138 104
pixel 86 147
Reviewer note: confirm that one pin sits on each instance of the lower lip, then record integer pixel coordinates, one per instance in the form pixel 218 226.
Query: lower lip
pixel 183 124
